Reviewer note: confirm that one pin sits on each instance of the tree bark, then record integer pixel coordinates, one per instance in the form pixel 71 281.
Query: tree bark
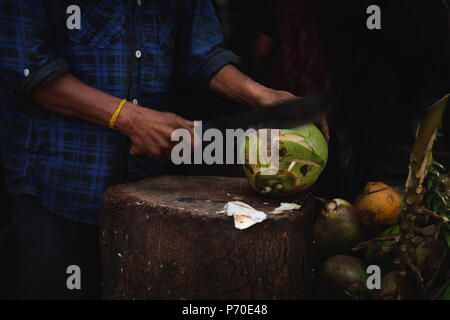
pixel 162 238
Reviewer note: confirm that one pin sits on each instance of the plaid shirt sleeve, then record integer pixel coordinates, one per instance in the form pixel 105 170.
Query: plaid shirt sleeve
pixel 27 57
pixel 201 40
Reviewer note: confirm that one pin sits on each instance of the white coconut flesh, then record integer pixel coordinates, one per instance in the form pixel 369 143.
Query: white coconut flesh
pixel 294 138
pixel 341 202
pixel 303 162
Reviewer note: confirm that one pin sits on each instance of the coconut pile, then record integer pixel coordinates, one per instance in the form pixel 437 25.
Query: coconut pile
pixel 341 227
pixel 357 241
pixel 361 246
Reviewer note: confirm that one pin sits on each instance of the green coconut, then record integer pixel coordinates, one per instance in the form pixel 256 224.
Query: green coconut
pixel 337 228
pixel 345 277
pixel 303 154
pixel 389 287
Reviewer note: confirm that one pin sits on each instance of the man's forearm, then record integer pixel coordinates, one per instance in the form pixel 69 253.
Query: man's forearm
pixel 69 96
pixel 232 83
pixel 149 130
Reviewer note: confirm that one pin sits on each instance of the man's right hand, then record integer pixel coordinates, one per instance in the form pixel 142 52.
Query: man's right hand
pixel 150 131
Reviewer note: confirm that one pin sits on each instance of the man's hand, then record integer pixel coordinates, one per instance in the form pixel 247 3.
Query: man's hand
pixel 150 131
pixel 230 82
pixel 269 97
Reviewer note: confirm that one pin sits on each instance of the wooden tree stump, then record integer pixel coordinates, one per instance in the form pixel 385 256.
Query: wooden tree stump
pixel 162 238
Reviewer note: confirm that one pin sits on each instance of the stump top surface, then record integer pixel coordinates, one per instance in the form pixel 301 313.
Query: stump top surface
pixel 200 195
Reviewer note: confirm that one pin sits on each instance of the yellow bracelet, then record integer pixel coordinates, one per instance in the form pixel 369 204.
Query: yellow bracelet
pixel 113 120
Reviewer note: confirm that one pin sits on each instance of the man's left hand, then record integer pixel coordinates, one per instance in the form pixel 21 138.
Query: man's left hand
pixel 230 82
pixel 269 97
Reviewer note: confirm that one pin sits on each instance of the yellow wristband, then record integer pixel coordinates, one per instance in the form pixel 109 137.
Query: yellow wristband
pixel 113 120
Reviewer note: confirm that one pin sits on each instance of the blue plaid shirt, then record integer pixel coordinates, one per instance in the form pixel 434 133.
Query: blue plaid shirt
pixel 129 49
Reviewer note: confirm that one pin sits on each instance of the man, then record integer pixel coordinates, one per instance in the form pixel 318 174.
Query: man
pixel 66 68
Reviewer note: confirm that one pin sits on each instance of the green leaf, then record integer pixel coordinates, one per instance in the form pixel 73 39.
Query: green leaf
pixel 446 294
pixel 439 165
pixel 364 276
pixel 435 207
pixel 441 196
pixel 429 184
pixel 439 180
pixel 438 267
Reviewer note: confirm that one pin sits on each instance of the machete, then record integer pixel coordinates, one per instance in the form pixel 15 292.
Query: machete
pixel 281 116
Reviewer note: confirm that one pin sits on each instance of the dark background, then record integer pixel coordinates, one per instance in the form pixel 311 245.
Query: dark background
pixel 386 78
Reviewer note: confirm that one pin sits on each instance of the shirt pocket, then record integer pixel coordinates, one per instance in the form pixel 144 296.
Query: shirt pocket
pixel 102 23
pixel 168 26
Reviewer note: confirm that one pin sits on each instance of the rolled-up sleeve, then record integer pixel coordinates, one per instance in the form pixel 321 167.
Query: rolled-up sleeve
pixel 27 58
pixel 202 54
pixel 212 63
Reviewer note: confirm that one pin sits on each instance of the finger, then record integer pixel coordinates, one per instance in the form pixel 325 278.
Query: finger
pixel 327 137
pixel 326 129
pixel 163 146
pixel 326 133
pixel 322 123
pixel 196 141
pixel 189 123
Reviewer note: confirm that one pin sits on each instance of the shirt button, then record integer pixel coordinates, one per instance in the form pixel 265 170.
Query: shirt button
pixel 138 54
pixel 135 101
pixel 26 72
